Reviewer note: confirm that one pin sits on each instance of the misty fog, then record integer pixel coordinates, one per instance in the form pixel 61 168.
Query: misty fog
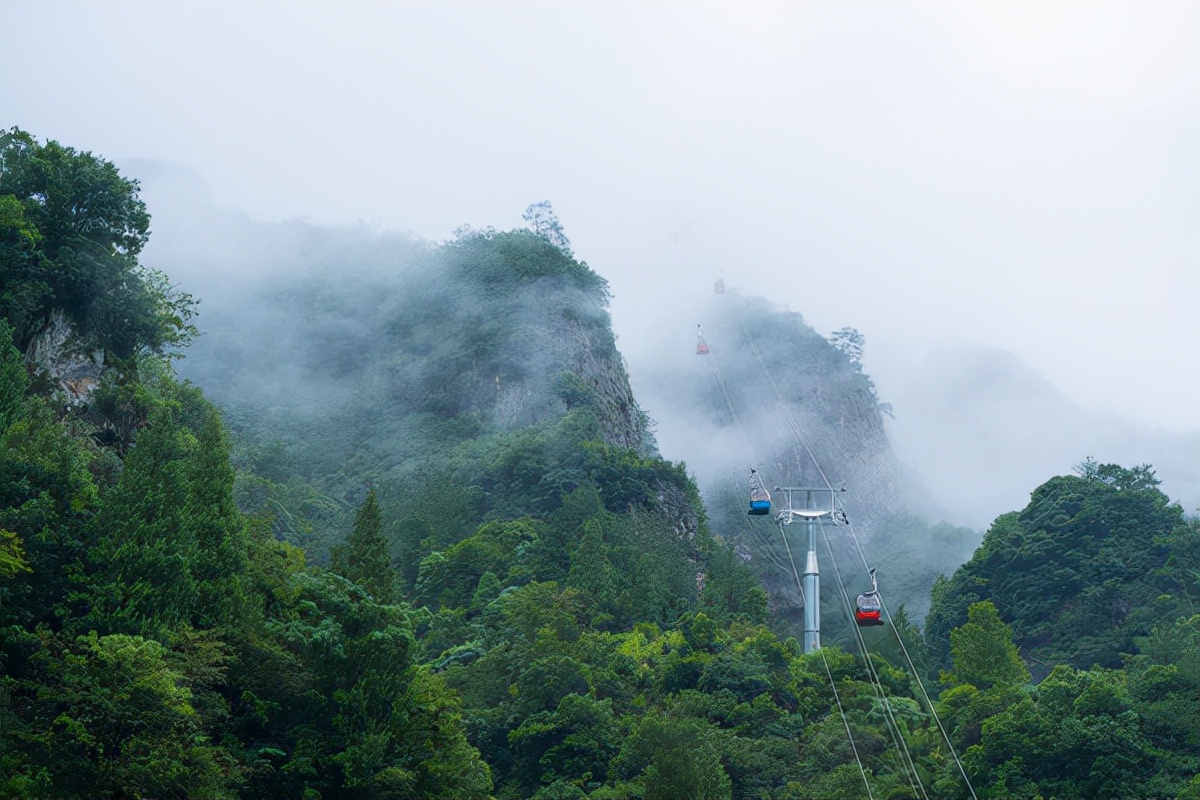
pixel 1002 199
pixel 1021 177
pixel 978 426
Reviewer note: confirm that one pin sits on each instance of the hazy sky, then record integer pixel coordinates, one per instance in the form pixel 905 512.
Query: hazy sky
pixel 1021 175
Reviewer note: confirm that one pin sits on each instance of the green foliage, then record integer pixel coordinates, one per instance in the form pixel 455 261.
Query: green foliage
pixel 593 573
pixel 452 578
pixel 47 498
pixel 170 544
pixel 731 589
pixel 1077 737
pixel 12 555
pixel 364 556
pixel 1164 683
pixel 628 478
pixel 568 628
pixel 983 653
pixel 443 764
pixel 506 261
pixel 354 710
pixel 24 268
pixel 107 716
pixel 675 758
pixel 576 740
pixel 1077 571
pixel 71 228
pixel 14 381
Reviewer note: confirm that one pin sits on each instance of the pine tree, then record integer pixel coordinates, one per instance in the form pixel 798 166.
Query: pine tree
pixel 363 558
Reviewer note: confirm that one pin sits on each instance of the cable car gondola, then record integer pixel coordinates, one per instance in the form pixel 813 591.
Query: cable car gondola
pixel 701 345
pixel 760 499
pixel 868 608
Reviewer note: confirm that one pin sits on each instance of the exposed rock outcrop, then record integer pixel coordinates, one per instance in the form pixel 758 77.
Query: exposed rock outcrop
pixel 63 358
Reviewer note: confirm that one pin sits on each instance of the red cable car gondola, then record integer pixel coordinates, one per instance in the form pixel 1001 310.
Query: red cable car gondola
pixel 701 345
pixel 868 607
pixel 868 610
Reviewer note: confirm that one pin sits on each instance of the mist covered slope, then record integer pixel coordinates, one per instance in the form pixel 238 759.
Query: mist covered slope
pixel 343 356
pixel 348 356
pixel 982 427
pixel 467 380
pixel 774 394
pixel 327 348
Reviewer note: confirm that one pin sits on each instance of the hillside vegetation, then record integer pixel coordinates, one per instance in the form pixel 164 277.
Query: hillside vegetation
pixel 774 394
pixel 466 572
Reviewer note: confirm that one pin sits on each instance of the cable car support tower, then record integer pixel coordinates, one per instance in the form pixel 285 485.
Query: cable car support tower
pixel 814 506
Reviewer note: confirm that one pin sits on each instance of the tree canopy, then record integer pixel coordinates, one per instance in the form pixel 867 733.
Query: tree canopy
pixel 443 589
pixel 71 230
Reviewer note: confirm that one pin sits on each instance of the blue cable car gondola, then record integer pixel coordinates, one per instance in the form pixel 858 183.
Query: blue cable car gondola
pixel 760 499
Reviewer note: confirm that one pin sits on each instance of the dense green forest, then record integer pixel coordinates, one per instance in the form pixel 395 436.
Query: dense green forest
pixel 526 600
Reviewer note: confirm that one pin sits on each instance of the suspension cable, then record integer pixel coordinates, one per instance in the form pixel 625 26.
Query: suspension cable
pixel 929 702
pixel 907 764
pixel 828 673
pixel 751 344
pixel 800 587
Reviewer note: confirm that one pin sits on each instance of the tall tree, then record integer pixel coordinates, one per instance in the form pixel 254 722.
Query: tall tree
pixel 849 342
pixel 544 222
pixel 364 556
pixel 170 544
pixel 14 382
pixel 71 229
pixel 983 651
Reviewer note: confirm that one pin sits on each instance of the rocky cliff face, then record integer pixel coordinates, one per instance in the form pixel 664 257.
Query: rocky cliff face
pixel 775 395
pixel 59 356
pixel 546 348
pixel 400 353
pixel 405 364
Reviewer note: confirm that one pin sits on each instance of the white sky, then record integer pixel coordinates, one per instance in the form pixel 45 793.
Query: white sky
pixel 1022 175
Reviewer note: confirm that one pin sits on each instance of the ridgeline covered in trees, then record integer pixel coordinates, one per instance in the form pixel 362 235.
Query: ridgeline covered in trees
pixel 429 549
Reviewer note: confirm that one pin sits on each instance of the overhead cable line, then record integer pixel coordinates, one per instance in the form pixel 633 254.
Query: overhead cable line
pixel 752 345
pixel 907 764
pixel 800 587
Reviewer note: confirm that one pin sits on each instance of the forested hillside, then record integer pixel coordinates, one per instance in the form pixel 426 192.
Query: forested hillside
pixel 1094 561
pixel 773 394
pixel 426 547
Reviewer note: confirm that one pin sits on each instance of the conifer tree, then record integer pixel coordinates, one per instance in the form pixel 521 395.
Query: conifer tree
pixel 14 382
pixel 212 519
pixel 363 558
